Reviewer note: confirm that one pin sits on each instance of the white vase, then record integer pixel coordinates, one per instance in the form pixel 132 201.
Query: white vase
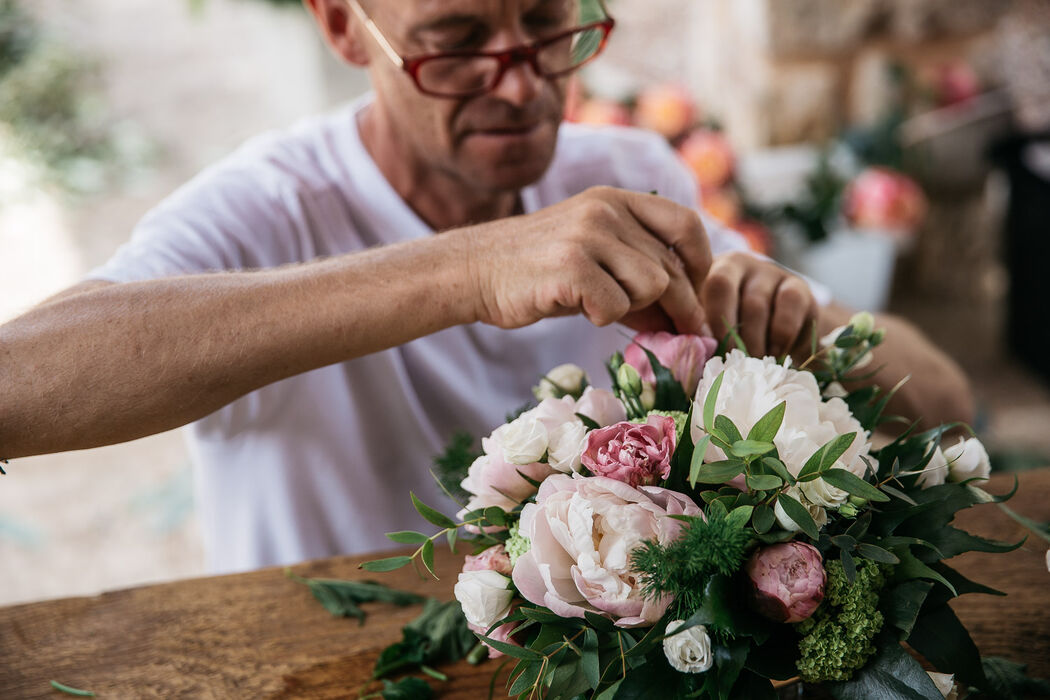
pixel 856 265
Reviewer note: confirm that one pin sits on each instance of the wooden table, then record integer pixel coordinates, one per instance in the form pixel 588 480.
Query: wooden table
pixel 261 635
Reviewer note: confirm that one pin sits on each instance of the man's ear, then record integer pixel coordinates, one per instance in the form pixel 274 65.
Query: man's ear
pixel 340 29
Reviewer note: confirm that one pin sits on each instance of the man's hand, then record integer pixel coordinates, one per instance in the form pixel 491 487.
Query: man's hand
pixel 610 255
pixel 772 308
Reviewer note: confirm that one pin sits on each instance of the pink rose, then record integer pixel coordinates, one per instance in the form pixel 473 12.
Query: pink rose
pixel 668 110
pixel 708 154
pixel 881 198
pixel 788 581
pixel 492 559
pixel 637 455
pixel 583 530
pixel 601 406
pixel 684 355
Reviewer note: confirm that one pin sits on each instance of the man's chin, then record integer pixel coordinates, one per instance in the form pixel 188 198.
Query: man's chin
pixel 506 161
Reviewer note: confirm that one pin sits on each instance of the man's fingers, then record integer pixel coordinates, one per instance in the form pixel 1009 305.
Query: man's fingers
pixel 756 302
pixel 643 279
pixel 720 295
pixel 678 228
pixel 794 308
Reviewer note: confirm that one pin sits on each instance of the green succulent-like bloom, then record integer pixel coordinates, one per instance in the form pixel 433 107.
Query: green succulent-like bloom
pixel 837 639
pixel 517 545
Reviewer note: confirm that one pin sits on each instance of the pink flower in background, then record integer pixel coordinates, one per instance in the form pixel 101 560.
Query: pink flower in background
pixel 881 198
pixel 668 110
pixel 492 559
pixel 710 157
pixel 493 481
pixel 583 530
pixel 637 455
pixel 684 355
pixel 788 581
pixel 599 111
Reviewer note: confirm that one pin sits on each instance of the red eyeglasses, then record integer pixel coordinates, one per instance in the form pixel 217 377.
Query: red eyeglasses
pixel 459 74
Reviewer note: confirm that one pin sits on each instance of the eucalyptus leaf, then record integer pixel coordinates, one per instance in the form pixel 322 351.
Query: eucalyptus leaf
pixel 799 513
pixel 387 564
pixel 854 485
pixel 709 402
pixel 728 429
pixel 764 482
pixel 432 516
pixel 824 457
pixel 720 472
pixel 767 426
pixel 697 460
pixel 750 448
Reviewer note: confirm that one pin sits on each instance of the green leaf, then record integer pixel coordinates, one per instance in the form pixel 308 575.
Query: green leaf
pixel 527 676
pixel 728 429
pixel 407 537
pixel 670 396
pixel 898 494
pixel 697 460
pixel 901 604
pixel 767 426
pixel 892 674
pixel 854 485
pixel 798 512
pixel 750 448
pixel 911 568
pixel 763 519
pixel 427 555
pixel 875 553
pixel 588 422
pixel 610 692
pixel 69 690
pixel 451 535
pixel 432 516
pixel 496 516
pixel 1007 680
pixel 849 565
pixel 709 402
pixel 388 564
pixel 943 640
pixel 827 454
pixel 720 472
pixel 590 660
pixel 739 516
pixel 408 688
pixel 764 482
pixel 778 468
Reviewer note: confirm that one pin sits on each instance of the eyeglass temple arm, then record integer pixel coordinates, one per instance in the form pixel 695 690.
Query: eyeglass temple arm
pixel 393 55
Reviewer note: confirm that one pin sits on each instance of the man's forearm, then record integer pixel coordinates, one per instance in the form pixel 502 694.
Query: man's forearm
pixel 121 361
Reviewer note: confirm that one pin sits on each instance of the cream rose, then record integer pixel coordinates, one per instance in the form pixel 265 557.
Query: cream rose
pixel 583 530
pixel 967 459
pixel 688 651
pixel 484 595
pixel 523 440
pixel 567 443
pixel 936 470
pixel 567 379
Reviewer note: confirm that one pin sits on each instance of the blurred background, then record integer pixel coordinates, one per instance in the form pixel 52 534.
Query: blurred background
pixel 897 150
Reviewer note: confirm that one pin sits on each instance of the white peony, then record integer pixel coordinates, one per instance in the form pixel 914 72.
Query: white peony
pixel 567 443
pixel 967 459
pixel 688 651
pixel 484 595
pixel 560 381
pixel 935 472
pixel 752 386
pixel 819 515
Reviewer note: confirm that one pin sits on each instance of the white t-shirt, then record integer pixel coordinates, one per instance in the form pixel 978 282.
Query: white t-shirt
pixel 321 463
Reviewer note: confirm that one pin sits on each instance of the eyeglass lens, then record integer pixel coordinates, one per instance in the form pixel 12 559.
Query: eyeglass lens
pixel 459 75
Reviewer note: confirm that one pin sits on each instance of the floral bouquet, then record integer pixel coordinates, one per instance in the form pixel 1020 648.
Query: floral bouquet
pixel 714 525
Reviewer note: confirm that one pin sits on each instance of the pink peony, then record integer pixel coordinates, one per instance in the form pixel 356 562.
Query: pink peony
pixel 635 454
pixel 583 530
pixel 684 355
pixel 788 581
pixel 668 110
pixel 710 157
pixel 493 481
pixel 492 559
pixel 880 198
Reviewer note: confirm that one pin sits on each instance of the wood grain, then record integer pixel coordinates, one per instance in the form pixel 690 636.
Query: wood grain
pixel 262 635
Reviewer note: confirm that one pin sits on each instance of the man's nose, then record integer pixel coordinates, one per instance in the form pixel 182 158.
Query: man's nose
pixel 519 84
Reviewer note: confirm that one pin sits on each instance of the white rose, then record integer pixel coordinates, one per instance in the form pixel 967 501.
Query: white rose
pixel 601 406
pixel 484 595
pixel 935 472
pixel 688 651
pixel 523 440
pixel 945 683
pixel 751 387
pixel 819 515
pixel 560 381
pixel 567 443
pixel 821 493
pixel 967 459
pixel 834 390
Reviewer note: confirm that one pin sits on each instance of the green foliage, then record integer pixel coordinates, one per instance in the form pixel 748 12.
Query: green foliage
pixel 1007 681
pixel 838 639
pixel 343 598
pixel 679 569
pixel 439 635
pixel 452 465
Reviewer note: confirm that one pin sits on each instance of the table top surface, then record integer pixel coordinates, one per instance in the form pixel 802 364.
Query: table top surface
pixel 263 635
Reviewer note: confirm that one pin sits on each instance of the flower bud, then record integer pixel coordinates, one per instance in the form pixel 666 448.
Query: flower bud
pixel 848 510
pixel 563 380
pixel 857 501
pixel 863 324
pixel 629 381
pixel 877 336
pixel 615 361
pixel 648 396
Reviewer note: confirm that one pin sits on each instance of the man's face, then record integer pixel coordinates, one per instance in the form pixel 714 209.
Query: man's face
pixel 498 141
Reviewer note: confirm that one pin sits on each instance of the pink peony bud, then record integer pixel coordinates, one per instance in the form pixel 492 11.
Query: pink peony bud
pixel 684 355
pixel 492 559
pixel 638 455
pixel 788 581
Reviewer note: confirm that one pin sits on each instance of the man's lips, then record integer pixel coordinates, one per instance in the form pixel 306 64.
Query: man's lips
pixel 508 130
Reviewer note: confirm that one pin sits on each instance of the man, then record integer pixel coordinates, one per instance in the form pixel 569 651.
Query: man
pixel 294 303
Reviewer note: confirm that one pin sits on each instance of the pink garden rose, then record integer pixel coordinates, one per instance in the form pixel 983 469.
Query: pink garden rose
pixel 881 198
pixel 636 454
pixel 684 355
pixel 583 530
pixel 492 559
pixel 788 581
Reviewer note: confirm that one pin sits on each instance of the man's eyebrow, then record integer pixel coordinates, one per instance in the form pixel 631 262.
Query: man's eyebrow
pixel 443 22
